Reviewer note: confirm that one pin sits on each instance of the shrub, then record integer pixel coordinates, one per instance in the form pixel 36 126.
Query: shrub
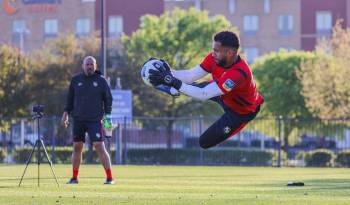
pixel 343 158
pixel 194 156
pixel 319 158
pixel 2 155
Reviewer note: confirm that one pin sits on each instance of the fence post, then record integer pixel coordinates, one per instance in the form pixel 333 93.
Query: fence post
pixel 53 138
pixel 200 133
pixel 279 118
pixel 125 143
pixel 118 151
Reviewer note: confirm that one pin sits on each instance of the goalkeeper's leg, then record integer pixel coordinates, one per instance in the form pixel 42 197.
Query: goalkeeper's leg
pixel 228 125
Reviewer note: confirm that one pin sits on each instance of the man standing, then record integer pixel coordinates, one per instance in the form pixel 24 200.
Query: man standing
pixel 233 87
pixel 89 99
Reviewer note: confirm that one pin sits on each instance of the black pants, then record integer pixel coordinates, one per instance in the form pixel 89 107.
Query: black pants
pixel 229 124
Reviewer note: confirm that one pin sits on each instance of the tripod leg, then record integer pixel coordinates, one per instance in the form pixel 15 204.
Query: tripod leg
pixel 50 162
pixel 28 161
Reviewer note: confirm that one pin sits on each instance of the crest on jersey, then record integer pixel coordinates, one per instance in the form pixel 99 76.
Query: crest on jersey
pixel 95 84
pixel 228 85
pixel 227 130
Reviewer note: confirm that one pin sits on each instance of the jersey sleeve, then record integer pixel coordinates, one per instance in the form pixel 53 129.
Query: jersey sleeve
pixel 230 80
pixel 207 63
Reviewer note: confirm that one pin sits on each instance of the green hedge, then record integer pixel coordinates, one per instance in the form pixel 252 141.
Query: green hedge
pixel 60 155
pixel 343 158
pixel 165 156
pixel 2 154
pixel 195 156
pixel 319 158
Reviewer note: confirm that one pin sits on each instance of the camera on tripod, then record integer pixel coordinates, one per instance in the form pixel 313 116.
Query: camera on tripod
pixel 38 108
pixel 38 111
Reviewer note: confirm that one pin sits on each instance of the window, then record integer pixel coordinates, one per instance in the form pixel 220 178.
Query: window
pixel 267 6
pixel 19 33
pixel 50 27
pixel 251 54
pixel 115 26
pixel 232 6
pixel 323 23
pixel 82 27
pixel 198 4
pixel 18 26
pixel 285 24
pixel 250 24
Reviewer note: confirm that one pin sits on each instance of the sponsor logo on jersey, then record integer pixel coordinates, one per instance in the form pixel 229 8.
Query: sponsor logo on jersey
pixel 228 85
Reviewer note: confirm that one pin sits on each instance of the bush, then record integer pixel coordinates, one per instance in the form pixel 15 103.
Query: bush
pixel 254 157
pixel 194 156
pixel 319 158
pixel 2 155
pixel 58 155
pixel 343 158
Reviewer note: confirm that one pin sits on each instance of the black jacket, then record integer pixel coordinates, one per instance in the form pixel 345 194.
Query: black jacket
pixel 89 97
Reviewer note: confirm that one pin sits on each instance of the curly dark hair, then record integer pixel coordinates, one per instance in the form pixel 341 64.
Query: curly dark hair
pixel 227 38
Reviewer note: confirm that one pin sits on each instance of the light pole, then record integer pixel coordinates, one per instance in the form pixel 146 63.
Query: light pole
pixel 103 38
pixel 22 32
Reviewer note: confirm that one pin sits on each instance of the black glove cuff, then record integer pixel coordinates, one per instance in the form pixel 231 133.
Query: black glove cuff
pixel 177 83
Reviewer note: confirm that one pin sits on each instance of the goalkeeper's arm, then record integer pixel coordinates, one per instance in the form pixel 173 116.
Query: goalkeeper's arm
pixel 205 93
pixel 190 75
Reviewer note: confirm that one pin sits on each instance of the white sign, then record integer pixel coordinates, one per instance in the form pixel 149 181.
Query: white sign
pixel 122 105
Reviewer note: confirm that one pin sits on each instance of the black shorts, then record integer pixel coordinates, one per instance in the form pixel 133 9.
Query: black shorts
pixel 229 124
pixel 93 128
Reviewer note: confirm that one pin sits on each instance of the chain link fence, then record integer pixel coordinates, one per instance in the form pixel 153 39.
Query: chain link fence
pixel 268 141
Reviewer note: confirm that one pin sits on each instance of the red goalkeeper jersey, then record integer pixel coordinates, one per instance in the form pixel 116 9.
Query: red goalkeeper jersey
pixel 237 84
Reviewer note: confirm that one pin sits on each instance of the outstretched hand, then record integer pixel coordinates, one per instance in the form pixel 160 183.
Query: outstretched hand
pixel 163 76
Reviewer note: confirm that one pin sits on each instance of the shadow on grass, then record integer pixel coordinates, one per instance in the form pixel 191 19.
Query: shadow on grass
pixel 314 184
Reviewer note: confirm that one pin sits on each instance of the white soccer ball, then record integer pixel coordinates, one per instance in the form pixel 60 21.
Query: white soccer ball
pixel 150 65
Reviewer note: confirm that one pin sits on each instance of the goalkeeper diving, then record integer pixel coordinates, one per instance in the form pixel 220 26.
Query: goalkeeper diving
pixel 233 87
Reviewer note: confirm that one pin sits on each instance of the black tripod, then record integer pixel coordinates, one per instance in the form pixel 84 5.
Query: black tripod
pixel 39 143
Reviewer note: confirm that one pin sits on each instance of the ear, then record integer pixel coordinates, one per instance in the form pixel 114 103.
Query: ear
pixel 232 52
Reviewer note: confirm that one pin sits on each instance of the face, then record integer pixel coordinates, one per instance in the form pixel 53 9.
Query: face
pixel 223 56
pixel 89 66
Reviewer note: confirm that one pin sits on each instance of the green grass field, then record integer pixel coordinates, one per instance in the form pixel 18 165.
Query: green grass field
pixel 176 185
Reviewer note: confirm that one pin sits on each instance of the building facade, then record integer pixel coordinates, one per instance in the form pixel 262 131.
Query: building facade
pixel 123 16
pixel 27 24
pixel 270 25
pixel 318 17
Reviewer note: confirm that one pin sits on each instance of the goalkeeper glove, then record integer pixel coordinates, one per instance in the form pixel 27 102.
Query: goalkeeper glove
pixel 168 90
pixel 164 76
pixel 107 122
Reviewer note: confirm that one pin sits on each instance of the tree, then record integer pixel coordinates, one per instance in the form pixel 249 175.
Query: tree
pixel 324 80
pixel 55 65
pixel 15 71
pixel 182 38
pixel 278 82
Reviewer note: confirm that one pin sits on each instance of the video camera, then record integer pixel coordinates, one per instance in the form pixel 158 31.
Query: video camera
pixel 38 108
pixel 38 111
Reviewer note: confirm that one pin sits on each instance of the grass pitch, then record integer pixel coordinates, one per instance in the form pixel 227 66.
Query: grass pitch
pixel 153 185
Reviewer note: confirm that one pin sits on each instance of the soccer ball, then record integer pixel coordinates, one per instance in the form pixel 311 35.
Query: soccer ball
pixel 150 65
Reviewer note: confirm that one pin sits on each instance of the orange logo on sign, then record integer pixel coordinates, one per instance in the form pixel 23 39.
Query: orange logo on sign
pixel 9 9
